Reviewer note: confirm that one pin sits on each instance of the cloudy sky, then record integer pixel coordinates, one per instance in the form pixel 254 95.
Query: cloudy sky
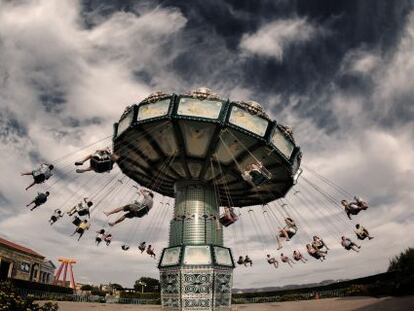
pixel 341 73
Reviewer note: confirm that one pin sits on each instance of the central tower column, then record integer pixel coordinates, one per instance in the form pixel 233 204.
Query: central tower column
pixel 196 270
pixel 196 215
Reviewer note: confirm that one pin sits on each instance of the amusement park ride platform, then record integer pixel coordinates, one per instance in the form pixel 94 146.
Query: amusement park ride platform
pixel 194 147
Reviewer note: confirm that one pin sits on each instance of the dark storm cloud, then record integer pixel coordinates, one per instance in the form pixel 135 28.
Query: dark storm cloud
pixel 10 127
pixel 52 100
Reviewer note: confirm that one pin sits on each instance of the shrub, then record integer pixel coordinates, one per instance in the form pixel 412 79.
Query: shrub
pixel 86 287
pixel 40 287
pixel 11 301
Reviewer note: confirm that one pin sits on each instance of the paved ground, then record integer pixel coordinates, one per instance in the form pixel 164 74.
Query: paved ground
pixel 335 304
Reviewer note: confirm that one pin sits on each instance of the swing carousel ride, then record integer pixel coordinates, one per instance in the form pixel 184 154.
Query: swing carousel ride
pixel 198 153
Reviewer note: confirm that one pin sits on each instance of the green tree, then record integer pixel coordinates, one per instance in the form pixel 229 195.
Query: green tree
pixel 147 284
pixel 116 286
pixel 403 266
pixel 404 262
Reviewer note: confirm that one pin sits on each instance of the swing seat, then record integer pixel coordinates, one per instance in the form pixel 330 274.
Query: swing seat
pixel 315 255
pixel 125 247
pixel 361 237
pixel 101 162
pixel 39 177
pixel 362 205
pixel 227 220
pixel 76 221
pixel 83 212
pixel 353 211
pixel 260 176
pixel 100 166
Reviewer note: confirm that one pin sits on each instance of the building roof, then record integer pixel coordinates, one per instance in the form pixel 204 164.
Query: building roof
pixel 19 248
pixel 48 263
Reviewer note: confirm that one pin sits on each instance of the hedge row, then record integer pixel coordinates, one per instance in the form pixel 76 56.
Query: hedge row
pixel 40 287
pixel 10 300
pixel 155 295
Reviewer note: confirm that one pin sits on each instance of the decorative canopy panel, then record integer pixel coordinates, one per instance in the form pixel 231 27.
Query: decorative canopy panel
pixel 198 136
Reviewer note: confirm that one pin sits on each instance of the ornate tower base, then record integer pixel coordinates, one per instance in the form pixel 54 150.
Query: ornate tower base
pixel 196 270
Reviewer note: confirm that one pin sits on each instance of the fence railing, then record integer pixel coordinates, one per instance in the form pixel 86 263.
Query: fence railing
pixel 43 295
pixel 40 294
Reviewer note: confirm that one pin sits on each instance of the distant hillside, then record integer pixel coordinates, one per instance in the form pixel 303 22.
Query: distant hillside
pixel 286 287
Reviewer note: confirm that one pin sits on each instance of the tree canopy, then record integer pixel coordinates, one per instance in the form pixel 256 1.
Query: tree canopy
pixel 404 262
pixel 152 285
pixel 116 286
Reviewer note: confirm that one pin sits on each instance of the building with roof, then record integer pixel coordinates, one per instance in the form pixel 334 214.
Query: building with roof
pixel 23 263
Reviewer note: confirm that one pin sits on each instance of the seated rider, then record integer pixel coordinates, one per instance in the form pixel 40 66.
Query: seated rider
pixel 135 209
pixel 40 175
pixel 82 208
pixel 286 259
pixel 82 227
pixel 108 239
pixel 142 246
pixel 298 256
pixel 55 216
pixel 319 244
pixel 101 161
pixel 229 217
pixel 349 245
pixel 351 208
pixel 272 261
pixel 315 253
pixel 253 174
pixel 150 251
pixel 287 232
pixel 362 233
pixel 247 261
pixel 40 199
pixel 240 261
pixel 99 236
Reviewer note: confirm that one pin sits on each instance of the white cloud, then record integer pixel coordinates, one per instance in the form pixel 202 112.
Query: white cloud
pixel 392 75
pixel 360 62
pixel 272 39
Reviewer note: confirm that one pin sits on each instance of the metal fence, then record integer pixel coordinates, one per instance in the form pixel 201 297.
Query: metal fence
pixel 43 295
pixel 39 294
